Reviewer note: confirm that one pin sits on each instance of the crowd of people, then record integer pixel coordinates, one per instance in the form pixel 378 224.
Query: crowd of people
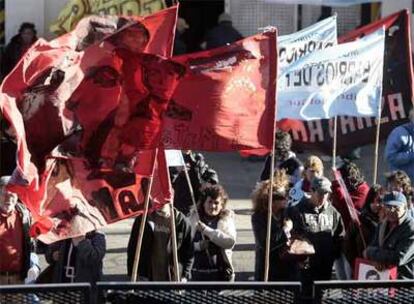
pixel 313 228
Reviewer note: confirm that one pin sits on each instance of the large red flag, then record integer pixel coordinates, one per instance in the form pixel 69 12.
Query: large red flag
pixel 88 108
pixel 226 101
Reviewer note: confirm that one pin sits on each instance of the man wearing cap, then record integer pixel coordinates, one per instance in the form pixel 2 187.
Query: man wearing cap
pixel 15 244
pixel 318 221
pixel 393 244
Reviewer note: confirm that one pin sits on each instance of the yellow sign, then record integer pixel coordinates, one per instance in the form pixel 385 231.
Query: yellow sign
pixel 75 10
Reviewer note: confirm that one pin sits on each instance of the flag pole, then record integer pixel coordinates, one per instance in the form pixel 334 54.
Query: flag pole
pixel 137 256
pixel 174 243
pixel 269 209
pixel 334 141
pixel 190 187
pixel 377 136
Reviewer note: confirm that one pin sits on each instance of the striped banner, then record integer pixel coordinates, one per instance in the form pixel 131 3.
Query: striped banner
pixel 2 20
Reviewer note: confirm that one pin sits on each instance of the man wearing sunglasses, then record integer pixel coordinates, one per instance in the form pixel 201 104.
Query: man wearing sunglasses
pixel 393 244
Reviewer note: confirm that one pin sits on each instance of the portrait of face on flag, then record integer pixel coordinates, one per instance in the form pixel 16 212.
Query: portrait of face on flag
pixel 225 102
pixel 318 36
pixel 86 112
pixel 342 80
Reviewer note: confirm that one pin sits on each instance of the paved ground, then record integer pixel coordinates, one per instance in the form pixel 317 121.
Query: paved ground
pixel 239 177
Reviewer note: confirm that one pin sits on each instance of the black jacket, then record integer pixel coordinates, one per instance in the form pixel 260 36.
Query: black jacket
pixel 292 165
pixel 12 54
pixel 323 227
pixel 89 258
pixel 185 247
pixel 280 270
pixel 395 249
pixel 28 244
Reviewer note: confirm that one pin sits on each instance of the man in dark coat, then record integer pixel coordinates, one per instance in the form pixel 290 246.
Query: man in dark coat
pixel 318 221
pixel 78 259
pixel 18 45
pixel 393 244
pixel 156 259
pixel 284 159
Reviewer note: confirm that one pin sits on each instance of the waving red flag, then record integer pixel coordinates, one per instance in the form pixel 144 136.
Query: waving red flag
pixel 226 101
pixel 80 108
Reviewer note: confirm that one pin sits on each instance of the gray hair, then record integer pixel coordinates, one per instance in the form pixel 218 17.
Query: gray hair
pixel 4 180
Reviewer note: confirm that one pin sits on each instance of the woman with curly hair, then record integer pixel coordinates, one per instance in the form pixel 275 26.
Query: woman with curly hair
pixel 280 270
pixel 214 236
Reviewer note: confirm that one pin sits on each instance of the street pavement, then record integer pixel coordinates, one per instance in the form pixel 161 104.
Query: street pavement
pixel 238 176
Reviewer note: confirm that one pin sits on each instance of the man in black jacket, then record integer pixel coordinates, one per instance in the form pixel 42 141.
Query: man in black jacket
pixel 319 222
pixel 393 244
pixel 284 159
pixel 156 259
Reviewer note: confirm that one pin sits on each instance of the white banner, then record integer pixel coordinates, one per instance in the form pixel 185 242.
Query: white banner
pixel 341 80
pixel 174 158
pixel 316 37
pixel 323 2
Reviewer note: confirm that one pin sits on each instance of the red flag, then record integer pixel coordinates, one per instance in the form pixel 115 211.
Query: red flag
pixel 352 213
pixel 77 199
pixel 226 101
pixel 60 102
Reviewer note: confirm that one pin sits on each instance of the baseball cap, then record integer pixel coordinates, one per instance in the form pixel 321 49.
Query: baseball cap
pixel 394 198
pixel 321 184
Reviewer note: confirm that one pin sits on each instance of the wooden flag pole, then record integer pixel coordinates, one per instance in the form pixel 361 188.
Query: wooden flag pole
pixel 334 141
pixel 190 187
pixel 174 244
pixel 269 210
pixel 377 136
pixel 137 256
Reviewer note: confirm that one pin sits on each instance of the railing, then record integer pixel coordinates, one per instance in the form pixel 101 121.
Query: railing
pixel 329 292
pixel 364 292
pixel 78 293
pixel 199 293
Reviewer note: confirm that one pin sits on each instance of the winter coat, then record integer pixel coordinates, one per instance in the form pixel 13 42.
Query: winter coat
pixel 358 197
pixel 12 54
pixel 224 236
pixel 185 247
pixel 399 150
pixel 89 258
pixel 279 270
pixel 396 249
pixel 292 165
pixel 28 243
pixel 323 227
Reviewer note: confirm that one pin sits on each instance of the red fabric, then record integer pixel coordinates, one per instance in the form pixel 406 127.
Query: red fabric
pixel 90 113
pixel 348 210
pixel 226 101
pixel 11 242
